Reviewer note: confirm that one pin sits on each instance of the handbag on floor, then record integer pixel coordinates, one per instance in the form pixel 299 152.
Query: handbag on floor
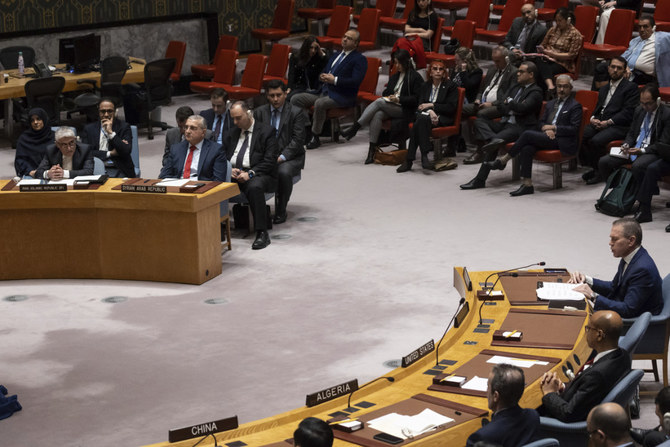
pixel 391 157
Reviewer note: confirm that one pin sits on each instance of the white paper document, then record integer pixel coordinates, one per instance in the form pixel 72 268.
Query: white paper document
pixel 521 363
pixel 65 181
pixel 30 181
pixel 476 383
pixel 559 291
pixel 405 427
pixel 173 182
pixel 88 178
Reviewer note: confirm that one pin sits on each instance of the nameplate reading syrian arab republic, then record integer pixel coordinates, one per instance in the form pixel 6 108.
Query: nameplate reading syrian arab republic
pixel 42 188
pixel 194 431
pixel 144 188
pixel 331 393
pixel 418 354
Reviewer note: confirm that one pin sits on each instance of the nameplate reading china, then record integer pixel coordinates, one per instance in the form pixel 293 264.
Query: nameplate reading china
pixel 332 393
pixel 144 188
pixel 418 354
pixel 43 188
pixel 194 431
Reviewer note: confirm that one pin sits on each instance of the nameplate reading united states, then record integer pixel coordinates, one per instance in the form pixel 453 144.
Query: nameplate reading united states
pixel 332 393
pixel 144 188
pixel 43 188
pixel 195 431
pixel 418 354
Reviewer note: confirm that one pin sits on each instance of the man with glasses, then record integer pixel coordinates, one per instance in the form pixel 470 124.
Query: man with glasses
pixel 66 159
pixel 606 365
pixel 608 425
pixel 111 141
pixel 525 33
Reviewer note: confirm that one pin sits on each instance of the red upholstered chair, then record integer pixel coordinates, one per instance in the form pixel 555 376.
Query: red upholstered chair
pixel 368 27
pixel 339 24
pixel 662 15
pixel 452 6
pixel 512 10
pixel 277 62
pixel 665 93
pixel 617 36
pixel 397 24
pixel 367 92
pixel 386 9
pixel 281 24
pixel 546 13
pixel 464 31
pixel 437 134
pixel 478 12
pixel 252 79
pixel 206 71
pixel 323 10
pixel 226 61
pixel 434 53
pixel 588 99
pixel 176 50
pixel 585 21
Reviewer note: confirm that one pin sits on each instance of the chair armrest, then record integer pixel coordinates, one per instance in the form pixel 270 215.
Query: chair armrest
pixel 552 424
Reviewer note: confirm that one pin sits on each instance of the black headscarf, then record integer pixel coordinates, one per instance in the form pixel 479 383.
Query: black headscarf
pixel 32 144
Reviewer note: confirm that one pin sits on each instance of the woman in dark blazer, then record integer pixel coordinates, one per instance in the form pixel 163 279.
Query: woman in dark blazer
pixel 399 100
pixel 467 73
pixel 305 67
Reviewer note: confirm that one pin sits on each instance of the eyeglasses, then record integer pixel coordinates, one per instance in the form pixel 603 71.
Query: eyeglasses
pixel 592 328
pixel 106 111
pixel 522 71
pixel 66 143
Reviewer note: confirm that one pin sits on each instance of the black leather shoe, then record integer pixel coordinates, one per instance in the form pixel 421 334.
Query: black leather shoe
pixel 279 218
pixel 475 183
pixel 425 163
pixel 638 434
pixel 372 150
pixel 314 143
pixel 643 217
pixel 496 164
pixel 523 190
pixel 262 240
pixel 351 132
pixel 594 180
pixel 405 166
pixel 667 229
pixel 589 174
pixel 476 158
pixel 493 145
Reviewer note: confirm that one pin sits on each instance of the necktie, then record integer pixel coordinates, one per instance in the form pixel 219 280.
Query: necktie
pixel 217 128
pixel 187 165
pixel 493 83
pixel 554 112
pixel 588 363
pixel 644 132
pixel 522 37
pixel 243 150
pixel 337 62
pixel 274 122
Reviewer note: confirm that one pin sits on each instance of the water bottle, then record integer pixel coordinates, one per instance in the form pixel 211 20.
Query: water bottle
pixel 21 67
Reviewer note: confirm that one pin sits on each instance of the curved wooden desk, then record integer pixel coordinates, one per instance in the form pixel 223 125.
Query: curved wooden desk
pixel 109 234
pixel 414 380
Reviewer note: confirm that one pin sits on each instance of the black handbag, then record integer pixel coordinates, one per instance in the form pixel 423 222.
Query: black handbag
pixel 451 46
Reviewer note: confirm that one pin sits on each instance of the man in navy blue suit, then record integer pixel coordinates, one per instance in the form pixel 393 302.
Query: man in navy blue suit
pixel 196 157
pixel 339 84
pixel 636 287
pixel 218 117
pixel 510 425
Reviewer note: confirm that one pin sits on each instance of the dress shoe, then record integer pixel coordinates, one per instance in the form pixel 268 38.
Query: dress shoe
pixel 475 183
pixel 493 145
pixel 589 174
pixel 594 180
pixel 476 158
pixel 279 218
pixel 523 190
pixel 643 216
pixel 351 132
pixel 667 229
pixel 314 143
pixel 638 434
pixel 371 154
pixel 262 240
pixel 426 163
pixel 405 166
pixel 496 164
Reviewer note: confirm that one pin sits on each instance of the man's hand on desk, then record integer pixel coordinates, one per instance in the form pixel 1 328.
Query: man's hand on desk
pixel 55 173
pixel 586 290
pixel 577 278
pixel 551 383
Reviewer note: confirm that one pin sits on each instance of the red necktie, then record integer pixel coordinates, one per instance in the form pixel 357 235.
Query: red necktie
pixel 187 165
pixel 589 362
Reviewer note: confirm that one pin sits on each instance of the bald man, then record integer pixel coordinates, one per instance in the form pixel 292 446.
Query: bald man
pixel 608 425
pixel 606 365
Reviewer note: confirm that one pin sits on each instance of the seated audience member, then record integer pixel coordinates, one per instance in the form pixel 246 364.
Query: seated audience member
pixel 398 101
pixel 305 66
pixel 510 425
pixel 659 434
pixel 560 130
pixel 438 101
pixel 525 33
pixel 607 8
pixel 606 365
pixel 340 82
pixel 313 432
pixel 649 187
pixel 422 22
pixel 467 73
pixel 218 118
pixel 111 141
pixel 289 123
pixel 560 48
pixel 651 124
pixel 175 135
pixel 641 53
pixel 32 143
pixel 66 159
pixel 519 112
pixel 252 149
pixel 636 287
pixel 610 120
pixel 195 158
pixel 608 425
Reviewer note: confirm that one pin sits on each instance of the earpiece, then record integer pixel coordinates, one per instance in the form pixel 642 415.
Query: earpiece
pixel 653 28
pixel 666 422
pixel 569 20
pixel 249 113
pixel 507 61
pixel 658 101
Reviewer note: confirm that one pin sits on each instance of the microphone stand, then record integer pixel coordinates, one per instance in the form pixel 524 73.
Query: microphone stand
pixel 437 350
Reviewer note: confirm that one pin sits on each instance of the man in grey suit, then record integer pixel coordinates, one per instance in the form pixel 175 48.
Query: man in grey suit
pixel 525 34
pixel 175 135
pixel 289 123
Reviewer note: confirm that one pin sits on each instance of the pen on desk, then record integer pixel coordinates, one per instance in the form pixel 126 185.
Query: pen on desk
pixel 343 421
pixel 510 334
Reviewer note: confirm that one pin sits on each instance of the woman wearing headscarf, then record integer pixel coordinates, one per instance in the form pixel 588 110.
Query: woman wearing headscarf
pixel 32 143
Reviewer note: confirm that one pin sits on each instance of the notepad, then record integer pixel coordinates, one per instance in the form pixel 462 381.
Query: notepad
pixel 521 363
pixel 476 384
pixel 559 291
pixel 173 182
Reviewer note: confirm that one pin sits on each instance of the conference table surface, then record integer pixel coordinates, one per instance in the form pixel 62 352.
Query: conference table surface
pixel 461 348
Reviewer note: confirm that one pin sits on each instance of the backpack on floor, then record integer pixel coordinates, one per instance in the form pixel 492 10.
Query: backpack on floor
pixel 8 404
pixel 619 194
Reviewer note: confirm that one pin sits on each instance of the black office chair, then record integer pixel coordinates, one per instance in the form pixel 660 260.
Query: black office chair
pixel 9 57
pixel 112 71
pixel 45 93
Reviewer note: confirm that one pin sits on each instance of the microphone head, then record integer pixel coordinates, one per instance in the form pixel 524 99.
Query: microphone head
pixel 461 301
pixel 514 274
pixel 390 379
pixel 541 263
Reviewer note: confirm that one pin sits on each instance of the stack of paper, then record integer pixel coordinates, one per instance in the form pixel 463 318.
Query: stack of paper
pixel 405 427
pixel 559 291
pixel 476 384
pixel 521 363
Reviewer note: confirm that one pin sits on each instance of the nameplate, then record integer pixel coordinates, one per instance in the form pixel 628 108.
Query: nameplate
pixel 195 431
pixel 418 354
pixel 43 188
pixel 332 393
pixel 144 188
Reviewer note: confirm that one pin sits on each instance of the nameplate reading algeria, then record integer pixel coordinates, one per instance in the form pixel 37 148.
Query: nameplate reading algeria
pixel 332 393
pixel 195 431
pixel 418 354
pixel 43 188
pixel 144 188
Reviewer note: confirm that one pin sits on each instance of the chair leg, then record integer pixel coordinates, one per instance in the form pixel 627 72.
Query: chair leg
pixel 654 369
pixel 437 150
pixel 558 175
pixel 226 221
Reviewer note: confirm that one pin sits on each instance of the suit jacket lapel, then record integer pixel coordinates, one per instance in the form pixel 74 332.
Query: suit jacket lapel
pixel 204 151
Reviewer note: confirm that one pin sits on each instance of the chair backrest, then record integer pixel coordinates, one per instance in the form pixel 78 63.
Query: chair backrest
pixel 555 4
pixel 98 166
pixel 437 35
pixel 45 93
pixel 478 12
pixel 225 43
pixel 634 335
pixel 326 4
pixel 224 71
pixel 368 24
pixel 113 69
pixel 284 15
pixel 588 99
pixel 511 11
pixel 662 12
pixel 278 60
pixel 585 21
pixel 135 151
pixel 459 107
pixel 157 82
pixel 369 84
pixel 386 7
pixel 464 31
pixel 624 390
pixel 253 72
pixel 620 27
pixel 409 5
pixel 9 57
pixel 548 442
pixel 339 21
pixel 176 50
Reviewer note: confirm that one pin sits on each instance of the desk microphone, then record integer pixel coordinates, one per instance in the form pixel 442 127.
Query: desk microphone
pixel 216 444
pixel 390 379
pixel 437 350
pixel 485 287
pixel 500 275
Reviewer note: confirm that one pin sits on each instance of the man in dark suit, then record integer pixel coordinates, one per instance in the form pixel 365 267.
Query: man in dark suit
pixel 111 141
pixel 612 116
pixel 339 84
pixel 66 159
pixel 196 157
pixel 519 111
pixel 649 187
pixel 608 425
pixel 525 33
pixel 218 118
pixel 289 123
pixel 175 135
pixel 510 425
pixel 252 149
pixel 651 124
pixel 636 287
pixel 607 364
